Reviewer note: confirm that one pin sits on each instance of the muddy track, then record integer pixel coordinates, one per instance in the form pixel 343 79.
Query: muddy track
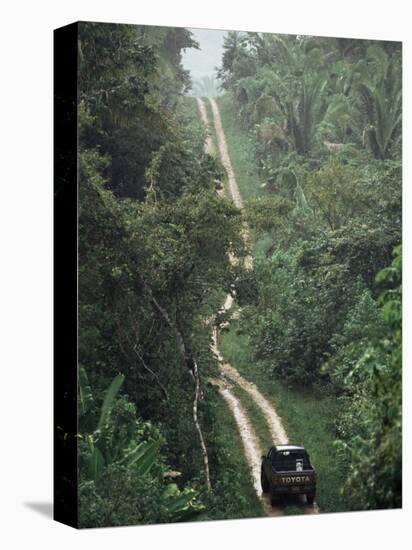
pixel 229 376
pixel 227 164
pixel 224 155
pixel 250 443
pixel 208 147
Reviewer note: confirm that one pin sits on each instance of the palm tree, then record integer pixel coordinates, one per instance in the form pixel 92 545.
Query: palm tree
pixel 305 114
pixel 379 84
pixel 205 87
pixel 237 60
pixel 295 78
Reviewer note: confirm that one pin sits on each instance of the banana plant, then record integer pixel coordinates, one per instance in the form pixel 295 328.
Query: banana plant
pixel 180 504
pixel 97 458
pixel 379 85
pixel 140 458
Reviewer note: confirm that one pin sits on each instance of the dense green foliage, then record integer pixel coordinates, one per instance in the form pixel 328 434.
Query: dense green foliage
pixel 323 117
pixel 309 419
pixel 122 475
pixel 154 240
pixel 374 415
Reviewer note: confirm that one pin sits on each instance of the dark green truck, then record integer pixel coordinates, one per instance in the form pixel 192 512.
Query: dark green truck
pixel 287 470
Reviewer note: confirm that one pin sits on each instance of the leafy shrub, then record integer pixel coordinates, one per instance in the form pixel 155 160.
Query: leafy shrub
pixel 122 477
pixel 371 428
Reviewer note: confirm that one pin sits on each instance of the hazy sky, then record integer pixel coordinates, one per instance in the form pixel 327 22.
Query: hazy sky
pixel 203 62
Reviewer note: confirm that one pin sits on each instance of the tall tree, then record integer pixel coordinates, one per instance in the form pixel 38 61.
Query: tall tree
pixel 379 83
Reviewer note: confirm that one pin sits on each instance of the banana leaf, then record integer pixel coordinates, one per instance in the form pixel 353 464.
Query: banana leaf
pixel 85 393
pixel 142 457
pixel 109 398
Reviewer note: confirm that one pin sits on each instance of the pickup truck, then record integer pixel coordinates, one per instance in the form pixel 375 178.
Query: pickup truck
pixel 287 470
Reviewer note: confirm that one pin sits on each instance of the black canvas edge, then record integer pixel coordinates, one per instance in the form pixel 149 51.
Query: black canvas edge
pixel 65 509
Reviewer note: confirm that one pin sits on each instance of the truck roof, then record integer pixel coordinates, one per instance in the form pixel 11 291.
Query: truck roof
pixel 288 448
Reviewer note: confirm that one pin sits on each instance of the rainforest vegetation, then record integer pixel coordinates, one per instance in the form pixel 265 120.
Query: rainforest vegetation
pixel 321 308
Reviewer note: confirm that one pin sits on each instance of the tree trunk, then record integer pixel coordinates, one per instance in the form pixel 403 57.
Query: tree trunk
pixel 194 372
pixel 179 338
pixel 199 429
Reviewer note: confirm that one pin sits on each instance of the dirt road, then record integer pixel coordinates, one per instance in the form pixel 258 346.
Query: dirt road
pixel 227 164
pixel 229 376
pixel 250 443
pixel 209 148
pixel 224 154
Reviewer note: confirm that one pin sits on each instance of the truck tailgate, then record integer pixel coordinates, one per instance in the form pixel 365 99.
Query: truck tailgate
pixel 297 479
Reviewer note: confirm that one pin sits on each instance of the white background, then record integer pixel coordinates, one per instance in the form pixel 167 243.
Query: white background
pixel 26 270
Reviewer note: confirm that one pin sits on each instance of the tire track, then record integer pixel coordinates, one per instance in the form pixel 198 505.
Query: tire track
pixel 253 451
pixel 208 147
pixel 227 164
pixel 224 154
pixel 250 444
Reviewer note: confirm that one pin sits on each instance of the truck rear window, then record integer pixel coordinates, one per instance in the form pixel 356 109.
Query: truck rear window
pixel 286 461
